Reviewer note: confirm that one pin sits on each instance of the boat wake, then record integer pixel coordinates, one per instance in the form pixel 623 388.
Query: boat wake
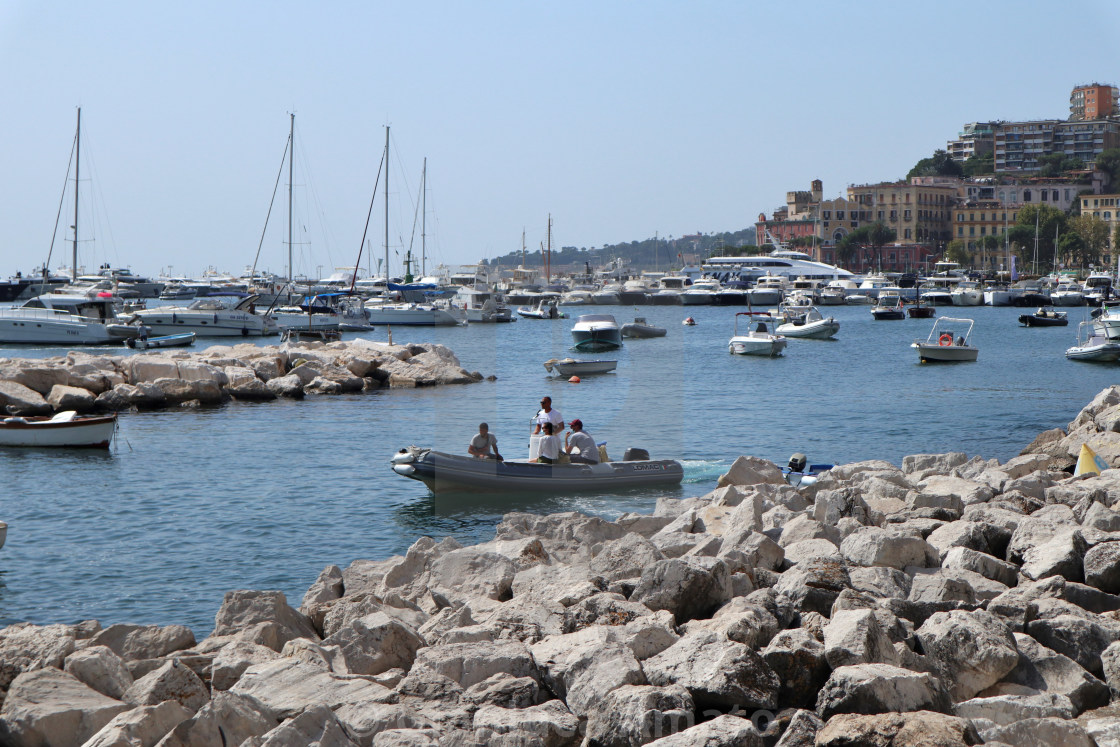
pixel 703 470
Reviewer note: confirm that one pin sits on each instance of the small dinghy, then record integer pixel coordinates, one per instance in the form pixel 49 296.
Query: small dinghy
pixel 758 340
pixel 166 341
pixel 810 325
pixel 1046 316
pixel 573 367
pixel 543 310
pixel 946 346
pixel 641 329
pixel 800 473
pixel 65 428
pixel 1092 346
pixel 445 472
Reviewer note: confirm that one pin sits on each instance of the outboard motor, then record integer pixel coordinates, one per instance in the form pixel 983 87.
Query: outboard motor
pixel 797 462
pixel 635 455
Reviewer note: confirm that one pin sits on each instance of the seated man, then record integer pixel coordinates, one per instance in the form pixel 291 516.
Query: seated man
pixel 549 446
pixel 586 452
pixel 484 445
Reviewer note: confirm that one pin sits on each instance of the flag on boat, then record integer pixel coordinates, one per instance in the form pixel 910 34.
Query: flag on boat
pixel 1014 273
pixel 1088 461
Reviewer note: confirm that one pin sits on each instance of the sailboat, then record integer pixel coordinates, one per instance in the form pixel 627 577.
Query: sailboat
pixel 415 310
pixel 77 318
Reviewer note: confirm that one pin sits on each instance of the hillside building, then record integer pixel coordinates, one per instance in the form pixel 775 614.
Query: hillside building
pixel 920 211
pixel 1018 145
pixel 1093 101
pixel 975 139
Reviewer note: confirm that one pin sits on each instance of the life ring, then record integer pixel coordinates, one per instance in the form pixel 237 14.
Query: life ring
pixel 945 340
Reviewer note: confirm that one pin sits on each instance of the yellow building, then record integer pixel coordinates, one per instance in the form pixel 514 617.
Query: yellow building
pixel 1107 208
pixel 920 211
pixel 974 220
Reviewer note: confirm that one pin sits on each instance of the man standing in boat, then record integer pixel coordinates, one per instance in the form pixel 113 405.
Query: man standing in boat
pixel 547 415
pixel 484 445
pixel 580 446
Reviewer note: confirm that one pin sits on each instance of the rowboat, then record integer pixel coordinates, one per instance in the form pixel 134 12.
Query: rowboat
pixel 65 428
pixel 446 472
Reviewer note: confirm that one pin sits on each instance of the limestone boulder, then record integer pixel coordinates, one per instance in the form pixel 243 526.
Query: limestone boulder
pixel 375 644
pixel 141 727
pixel 920 466
pixel 747 470
pixel 797 552
pixel 1061 555
pixel 988 566
pixel 798 659
pixel 25 647
pixel 1040 732
pixel 551 723
pixel 564 584
pixel 740 620
pixel 244 384
pixel 722 731
pixel 1102 567
pixel 973 650
pixel 51 708
pixel 717 672
pixel 1007 709
pixel 803 527
pixel 801 730
pixel 1072 631
pixel 813 585
pixel 504 690
pixel 289 386
pixel 918 729
pixel 233 659
pixel 99 667
pixel 17 399
pixel 316 726
pixel 874 546
pixel 132 642
pixel 286 687
pixel 1043 670
pixel 639 714
pixel 242 611
pixel 63 397
pixel 854 636
pixel 468 664
pixel 327 587
pixel 172 681
pixel 627 557
pixel 880 688
pixel 687 587
pixel 584 667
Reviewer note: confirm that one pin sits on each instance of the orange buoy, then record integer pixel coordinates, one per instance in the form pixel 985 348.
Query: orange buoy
pixel 573 380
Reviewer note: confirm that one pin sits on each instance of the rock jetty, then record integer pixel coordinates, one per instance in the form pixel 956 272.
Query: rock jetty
pixel 952 601
pixel 84 382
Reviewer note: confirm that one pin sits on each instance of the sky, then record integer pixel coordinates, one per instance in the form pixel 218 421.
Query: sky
pixel 621 120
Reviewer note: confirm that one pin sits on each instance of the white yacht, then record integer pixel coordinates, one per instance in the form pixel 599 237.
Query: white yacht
pixel 1067 294
pixel 788 263
pixel 768 290
pixel 416 315
pixel 998 294
pixel 483 307
pixel 217 315
pixel 608 295
pixel 669 290
pixel 967 293
pixel 64 319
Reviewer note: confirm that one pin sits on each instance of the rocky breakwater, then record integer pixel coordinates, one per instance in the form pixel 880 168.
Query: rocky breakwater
pixel 952 601
pixel 84 382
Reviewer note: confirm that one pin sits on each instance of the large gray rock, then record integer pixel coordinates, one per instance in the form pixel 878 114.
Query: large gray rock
pixel 813 585
pixel 133 642
pixel 375 644
pixel 716 671
pixel 101 669
pixel 504 690
pixel 141 727
pixel 233 659
pixel 1040 732
pixel 25 647
pixel 988 566
pixel 1072 631
pixel 242 611
pixel 687 587
pixel 1102 567
pixel 172 681
pixel 854 636
pixel 470 663
pixel 625 558
pixel 799 661
pixel 973 650
pixel 880 688
pixel 16 399
pixel 1042 670
pixel 740 620
pixel 584 667
pixel 747 470
pixel 722 731
pixel 873 546
pixel 50 708
pixel 1060 555
pixel 71 398
pixel 228 718
pixel 316 726
pixel 1007 709
pixel 638 714
pixel 920 729
pixel 286 687
pixel 551 723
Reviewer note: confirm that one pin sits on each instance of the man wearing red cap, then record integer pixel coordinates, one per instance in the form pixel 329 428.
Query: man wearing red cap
pixel 580 446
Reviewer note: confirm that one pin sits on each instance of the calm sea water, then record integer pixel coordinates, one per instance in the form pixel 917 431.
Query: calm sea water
pixel 190 504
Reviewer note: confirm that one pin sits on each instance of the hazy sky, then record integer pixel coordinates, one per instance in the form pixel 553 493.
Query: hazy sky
pixel 621 119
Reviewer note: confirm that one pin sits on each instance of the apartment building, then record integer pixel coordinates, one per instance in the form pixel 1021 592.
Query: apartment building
pixel 919 211
pixel 1019 145
pixel 1105 207
pixel 974 220
pixel 975 139
pixel 1093 101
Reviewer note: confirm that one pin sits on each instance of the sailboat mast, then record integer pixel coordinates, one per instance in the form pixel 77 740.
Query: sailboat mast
pixel 424 220
pixel 386 204
pixel 291 151
pixel 548 261
pixel 77 183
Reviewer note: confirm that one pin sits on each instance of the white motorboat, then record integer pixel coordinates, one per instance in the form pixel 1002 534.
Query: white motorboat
pixel 227 314
pixel 415 315
pixel 948 342
pixel 596 332
pixel 810 325
pixel 768 290
pixel 608 295
pixel 1093 346
pixel 184 339
pixel 177 291
pixel 836 292
pixel 1067 294
pixel 640 329
pixel 575 298
pixel 1106 320
pixel 758 340
pixel 483 307
pixel 449 472
pixel 967 293
pixel 669 290
pixel 573 367
pixel 1098 288
pixel 545 309
pixel 64 319
pixel 702 293
pixel 996 294
pixel 888 307
pixel 65 428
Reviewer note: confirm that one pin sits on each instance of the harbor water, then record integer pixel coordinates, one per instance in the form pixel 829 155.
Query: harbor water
pixel 191 503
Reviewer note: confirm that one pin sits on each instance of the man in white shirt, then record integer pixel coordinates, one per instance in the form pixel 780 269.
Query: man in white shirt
pixel 547 415
pixel 484 445
pixel 583 445
pixel 549 446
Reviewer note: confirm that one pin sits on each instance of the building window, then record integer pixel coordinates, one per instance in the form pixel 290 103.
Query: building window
pixel 972 230
pixel 1026 195
pixel 907 233
pixel 839 215
pixel 960 230
pixel 960 217
pixel 1054 196
pixel 983 230
pixel 1042 193
pixel 827 214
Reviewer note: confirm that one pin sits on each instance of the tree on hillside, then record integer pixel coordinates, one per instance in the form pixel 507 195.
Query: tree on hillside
pixel 989 248
pixel 1093 233
pixel 1109 162
pixel 958 252
pixel 939 164
pixel 1072 250
pixel 979 165
pixel 1051 221
pixel 1055 164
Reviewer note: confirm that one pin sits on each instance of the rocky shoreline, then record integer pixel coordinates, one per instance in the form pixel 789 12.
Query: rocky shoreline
pixel 85 382
pixel 952 601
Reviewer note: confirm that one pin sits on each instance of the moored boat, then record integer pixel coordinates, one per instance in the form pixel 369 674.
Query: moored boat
pixel 65 428
pixel 596 332
pixel 888 307
pixel 573 367
pixel 640 328
pixel 946 343
pixel 166 341
pixel 1045 316
pixel 444 472
pixel 1093 346
pixel 758 340
pixel 809 325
